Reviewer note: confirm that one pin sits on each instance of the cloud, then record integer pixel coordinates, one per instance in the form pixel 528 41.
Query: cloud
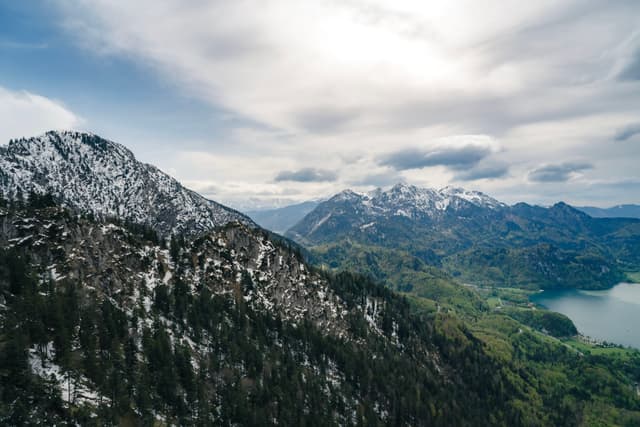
pixel 307 175
pixel 457 155
pixel 378 179
pixel 382 82
pixel 627 132
pixel 391 64
pixel 604 189
pixel 483 172
pixel 26 114
pixel 631 70
pixel 557 173
pixel 319 120
pixel 415 158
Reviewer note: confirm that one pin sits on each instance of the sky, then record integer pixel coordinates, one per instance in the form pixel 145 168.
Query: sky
pixel 260 104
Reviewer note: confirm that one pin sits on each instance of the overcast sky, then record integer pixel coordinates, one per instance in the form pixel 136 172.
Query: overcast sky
pixel 264 103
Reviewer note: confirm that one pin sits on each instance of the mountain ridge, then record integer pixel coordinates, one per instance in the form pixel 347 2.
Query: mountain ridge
pixel 401 200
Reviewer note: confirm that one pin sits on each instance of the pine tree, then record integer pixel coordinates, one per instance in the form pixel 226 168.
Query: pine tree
pixel 174 249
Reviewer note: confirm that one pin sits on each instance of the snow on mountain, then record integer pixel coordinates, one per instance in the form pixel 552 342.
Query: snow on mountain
pixel 411 201
pixel 97 176
pixel 349 210
pixel 475 197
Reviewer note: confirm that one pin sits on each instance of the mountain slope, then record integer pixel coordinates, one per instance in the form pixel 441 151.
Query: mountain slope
pixel 93 175
pixel 214 330
pixel 280 220
pixel 473 237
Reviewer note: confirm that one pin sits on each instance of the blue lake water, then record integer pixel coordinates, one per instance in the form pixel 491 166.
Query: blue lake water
pixel 612 315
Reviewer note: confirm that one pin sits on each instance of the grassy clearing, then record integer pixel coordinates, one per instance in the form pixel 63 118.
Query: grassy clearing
pixel 494 302
pixel 585 347
pixel 495 296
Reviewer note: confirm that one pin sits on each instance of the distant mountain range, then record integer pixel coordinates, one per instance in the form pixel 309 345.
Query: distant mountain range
pixel 470 235
pixel 101 177
pixel 281 219
pixel 619 211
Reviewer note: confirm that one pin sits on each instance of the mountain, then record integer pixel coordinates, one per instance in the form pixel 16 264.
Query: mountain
pixel 470 235
pixel 350 210
pixel 97 176
pixel 102 324
pixel 281 219
pixel 217 330
pixel 619 211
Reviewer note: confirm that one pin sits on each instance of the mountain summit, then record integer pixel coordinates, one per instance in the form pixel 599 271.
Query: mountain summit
pixel 94 175
pixel 349 209
pixel 412 201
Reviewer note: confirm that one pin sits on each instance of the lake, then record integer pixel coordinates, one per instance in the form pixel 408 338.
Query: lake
pixel 611 315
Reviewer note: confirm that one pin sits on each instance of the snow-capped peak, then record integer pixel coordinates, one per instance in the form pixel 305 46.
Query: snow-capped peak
pixel 411 201
pixel 101 177
pixel 403 187
pixel 476 197
pixel 367 212
pixel 429 200
pixel 347 194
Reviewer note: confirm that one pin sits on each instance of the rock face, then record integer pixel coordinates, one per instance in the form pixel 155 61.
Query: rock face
pixel 93 175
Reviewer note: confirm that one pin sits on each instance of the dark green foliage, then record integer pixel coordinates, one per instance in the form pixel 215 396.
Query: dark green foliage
pixel 585 389
pixel 40 201
pixel 532 266
pixel 555 324
pixel 399 270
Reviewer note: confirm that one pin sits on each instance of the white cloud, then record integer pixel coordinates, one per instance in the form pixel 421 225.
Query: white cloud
pixel 333 80
pixel 24 114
